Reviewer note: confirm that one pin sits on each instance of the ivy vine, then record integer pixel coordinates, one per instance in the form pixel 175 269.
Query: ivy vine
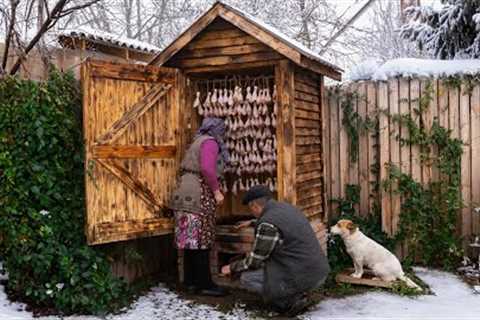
pixel 429 211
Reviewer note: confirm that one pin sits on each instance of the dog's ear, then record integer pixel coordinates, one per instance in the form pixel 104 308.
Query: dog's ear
pixel 352 227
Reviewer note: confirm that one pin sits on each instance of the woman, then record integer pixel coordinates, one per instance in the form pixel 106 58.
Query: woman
pixel 195 202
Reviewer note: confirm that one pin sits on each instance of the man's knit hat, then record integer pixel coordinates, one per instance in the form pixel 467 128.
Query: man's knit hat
pixel 256 192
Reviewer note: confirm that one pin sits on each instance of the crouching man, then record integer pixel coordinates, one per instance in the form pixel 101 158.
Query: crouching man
pixel 286 260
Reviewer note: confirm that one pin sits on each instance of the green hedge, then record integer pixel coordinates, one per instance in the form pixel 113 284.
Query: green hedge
pixel 42 211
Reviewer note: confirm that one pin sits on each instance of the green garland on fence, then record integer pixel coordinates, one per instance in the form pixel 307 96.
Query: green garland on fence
pixel 429 211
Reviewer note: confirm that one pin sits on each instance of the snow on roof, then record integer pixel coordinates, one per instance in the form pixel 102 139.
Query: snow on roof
pixel 109 38
pixel 283 37
pixel 411 67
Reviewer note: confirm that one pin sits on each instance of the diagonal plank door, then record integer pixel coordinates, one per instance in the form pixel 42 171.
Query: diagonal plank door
pixel 131 121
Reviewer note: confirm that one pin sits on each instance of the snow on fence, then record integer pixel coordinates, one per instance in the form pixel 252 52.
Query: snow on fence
pixel 456 108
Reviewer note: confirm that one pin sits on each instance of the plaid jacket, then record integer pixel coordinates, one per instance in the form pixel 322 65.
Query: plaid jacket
pixel 266 238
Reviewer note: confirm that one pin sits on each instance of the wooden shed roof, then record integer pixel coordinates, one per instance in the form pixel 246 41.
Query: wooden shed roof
pixel 266 34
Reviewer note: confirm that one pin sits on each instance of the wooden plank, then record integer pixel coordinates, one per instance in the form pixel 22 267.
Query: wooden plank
pixel 120 231
pixel 303 123
pixel 135 112
pixel 309 149
pixel 325 150
pixel 321 68
pixel 372 109
pixel 335 127
pixel 186 36
pixel 132 152
pixel 416 162
pixel 308 132
pixel 304 88
pixel 302 114
pixel 231 67
pixel 222 43
pixel 393 86
pixel 307 106
pixel 466 173
pixel 475 155
pixel 364 167
pixel 308 167
pixel 344 277
pixel 133 183
pixel 269 39
pixel 304 159
pixel 303 202
pixel 210 33
pixel 443 104
pixel 384 160
pixel 308 176
pixel 223 60
pixel 134 72
pixel 230 50
pixel 286 163
pixel 301 96
pixel 353 166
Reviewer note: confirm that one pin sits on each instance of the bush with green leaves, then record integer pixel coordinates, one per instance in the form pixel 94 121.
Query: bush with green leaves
pixel 42 212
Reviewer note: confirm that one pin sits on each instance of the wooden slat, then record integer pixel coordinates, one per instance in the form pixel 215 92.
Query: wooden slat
pixel 305 88
pixel 133 183
pixel 466 173
pixel 394 150
pixel 302 114
pixel 308 132
pixel 118 231
pixel 308 106
pixel 307 167
pixel 286 163
pixel 230 32
pixel 230 50
pixel 372 108
pixel 132 152
pixel 301 96
pixel 415 149
pixel 136 111
pixel 364 165
pixel 137 72
pixel 223 60
pixel 308 176
pixel 303 123
pixel 261 35
pixel 325 158
pixel 186 36
pixel 475 154
pixel 309 149
pixel 384 137
pixel 304 202
pixel 309 158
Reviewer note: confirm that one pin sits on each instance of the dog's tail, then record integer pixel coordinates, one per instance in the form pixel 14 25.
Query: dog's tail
pixel 410 283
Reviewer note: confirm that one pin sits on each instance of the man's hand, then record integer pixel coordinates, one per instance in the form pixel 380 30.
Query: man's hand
pixel 226 270
pixel 242 224
pixel 219 197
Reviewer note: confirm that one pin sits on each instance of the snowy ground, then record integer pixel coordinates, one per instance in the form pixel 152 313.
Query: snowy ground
pixel 452 300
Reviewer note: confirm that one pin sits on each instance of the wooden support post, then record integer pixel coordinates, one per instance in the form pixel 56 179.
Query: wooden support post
pixel 286 163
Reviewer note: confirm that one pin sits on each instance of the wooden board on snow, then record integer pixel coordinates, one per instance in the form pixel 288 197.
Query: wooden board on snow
pixel 366 280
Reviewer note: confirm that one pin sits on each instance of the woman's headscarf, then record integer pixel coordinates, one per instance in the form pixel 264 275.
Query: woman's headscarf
pixel 215 127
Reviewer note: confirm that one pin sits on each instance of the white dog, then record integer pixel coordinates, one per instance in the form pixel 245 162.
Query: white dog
pixel 366 252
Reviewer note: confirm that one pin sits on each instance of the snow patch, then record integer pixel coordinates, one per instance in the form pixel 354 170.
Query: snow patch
pixel 412 67
pixel 99 35
pixel 452 299
pixel 364 70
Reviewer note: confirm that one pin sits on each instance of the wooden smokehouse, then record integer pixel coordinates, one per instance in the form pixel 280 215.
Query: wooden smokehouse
pixel 139 120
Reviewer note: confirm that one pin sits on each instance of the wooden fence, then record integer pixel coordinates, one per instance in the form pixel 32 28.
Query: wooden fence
pixel 456 108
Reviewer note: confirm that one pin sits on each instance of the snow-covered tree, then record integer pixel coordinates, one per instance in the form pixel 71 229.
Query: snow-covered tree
pixel 453 31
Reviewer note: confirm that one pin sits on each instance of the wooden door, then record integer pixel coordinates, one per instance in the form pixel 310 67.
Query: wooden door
pixel 131 129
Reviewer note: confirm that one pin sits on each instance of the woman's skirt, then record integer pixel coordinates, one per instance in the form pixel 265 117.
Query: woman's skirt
pixel 196 230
